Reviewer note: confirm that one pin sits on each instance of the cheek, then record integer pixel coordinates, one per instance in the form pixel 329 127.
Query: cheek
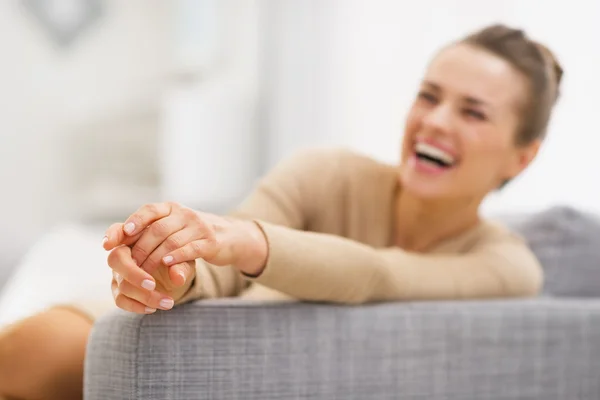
pixel 489 151
pixel 486 142
pixel 412 122
pixel 411 128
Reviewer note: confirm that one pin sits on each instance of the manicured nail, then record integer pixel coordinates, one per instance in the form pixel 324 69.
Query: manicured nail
pixel 167 304
pixel 148 284
pixel 168 259
pixel 118 278
pixel 129 228
pixel 104 240
pixel 182 275
pixel 150 310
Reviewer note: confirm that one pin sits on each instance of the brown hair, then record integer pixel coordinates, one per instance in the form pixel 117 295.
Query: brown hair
pixel 539 66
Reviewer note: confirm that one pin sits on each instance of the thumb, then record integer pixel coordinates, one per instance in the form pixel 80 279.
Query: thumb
pixel 182 273
pixel 115 236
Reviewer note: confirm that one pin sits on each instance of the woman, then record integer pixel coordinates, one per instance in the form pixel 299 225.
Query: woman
pixel 335 226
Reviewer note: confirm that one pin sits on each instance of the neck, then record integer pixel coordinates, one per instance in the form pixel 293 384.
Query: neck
pixel 421 224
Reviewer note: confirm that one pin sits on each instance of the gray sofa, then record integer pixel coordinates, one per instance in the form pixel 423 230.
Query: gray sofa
pixel 544 348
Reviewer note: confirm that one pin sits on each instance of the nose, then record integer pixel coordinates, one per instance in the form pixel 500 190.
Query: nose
pixel 439 118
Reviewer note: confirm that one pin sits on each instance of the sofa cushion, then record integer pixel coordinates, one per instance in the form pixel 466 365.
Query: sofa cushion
pixel 567 243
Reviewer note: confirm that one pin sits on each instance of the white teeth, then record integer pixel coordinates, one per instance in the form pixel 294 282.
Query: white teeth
pixel 434 152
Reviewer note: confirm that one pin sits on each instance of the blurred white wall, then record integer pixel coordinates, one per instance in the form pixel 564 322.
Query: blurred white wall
pixel 211 147
pixel 117 66
pixel 344 72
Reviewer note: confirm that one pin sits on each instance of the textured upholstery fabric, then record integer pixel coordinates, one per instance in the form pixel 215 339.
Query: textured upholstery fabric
pixel 111 359
pixel 567 243
pixel 534 349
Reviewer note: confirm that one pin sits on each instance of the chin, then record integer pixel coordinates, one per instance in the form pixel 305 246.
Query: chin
pixel 421 187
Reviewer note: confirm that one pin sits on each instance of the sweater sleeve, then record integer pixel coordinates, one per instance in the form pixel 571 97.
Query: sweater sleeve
pixel 284 197
pixel 321 267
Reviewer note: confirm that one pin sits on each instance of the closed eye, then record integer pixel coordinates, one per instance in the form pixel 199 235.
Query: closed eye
pixel 428 97
pixel 475 114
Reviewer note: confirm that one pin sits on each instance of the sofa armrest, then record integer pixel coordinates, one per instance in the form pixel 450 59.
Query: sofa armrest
pixel 230 349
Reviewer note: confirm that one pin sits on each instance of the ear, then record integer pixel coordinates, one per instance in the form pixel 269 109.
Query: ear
pixel 523 156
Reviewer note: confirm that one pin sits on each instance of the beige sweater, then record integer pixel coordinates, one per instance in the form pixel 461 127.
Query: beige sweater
pixel 327 216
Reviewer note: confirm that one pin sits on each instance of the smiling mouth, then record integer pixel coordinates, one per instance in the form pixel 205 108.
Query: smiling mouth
pixel 434 156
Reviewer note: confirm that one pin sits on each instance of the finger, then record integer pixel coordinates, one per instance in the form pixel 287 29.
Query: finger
pixel 152 299
pixel 127 304
pixel 158 232
pixel 114 287
pixel 117 277
pixel 181 273
pixel 146 215
pixel 115 236
pixel 121 262
pixel 203 248
pixel 173 242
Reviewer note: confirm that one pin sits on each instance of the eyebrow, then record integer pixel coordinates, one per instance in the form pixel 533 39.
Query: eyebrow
pixel 475 102
pixel 469 99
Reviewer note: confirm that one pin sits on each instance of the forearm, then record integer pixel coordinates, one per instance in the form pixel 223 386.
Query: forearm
pixel 250 248
pixel 320 267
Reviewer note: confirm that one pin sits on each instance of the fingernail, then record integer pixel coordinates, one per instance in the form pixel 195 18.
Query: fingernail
pixel 104 240
pixel 168 259
pixel 119 278
pixel 167 304
pixel 150 310
pixel 182 275
pixel 115 292
pixel 129 228
pixel 148 284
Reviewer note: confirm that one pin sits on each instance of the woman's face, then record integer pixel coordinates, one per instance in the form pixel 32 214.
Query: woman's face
pixel 459 139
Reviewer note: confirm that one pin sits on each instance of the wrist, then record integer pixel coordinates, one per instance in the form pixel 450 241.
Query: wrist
pixel 253 252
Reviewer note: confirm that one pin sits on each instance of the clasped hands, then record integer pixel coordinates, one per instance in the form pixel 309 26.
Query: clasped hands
pixel 153 253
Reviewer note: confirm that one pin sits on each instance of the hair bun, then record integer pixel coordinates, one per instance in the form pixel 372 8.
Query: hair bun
pixel 552 64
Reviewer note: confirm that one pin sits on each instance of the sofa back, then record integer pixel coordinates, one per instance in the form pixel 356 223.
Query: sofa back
pixel 567 243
